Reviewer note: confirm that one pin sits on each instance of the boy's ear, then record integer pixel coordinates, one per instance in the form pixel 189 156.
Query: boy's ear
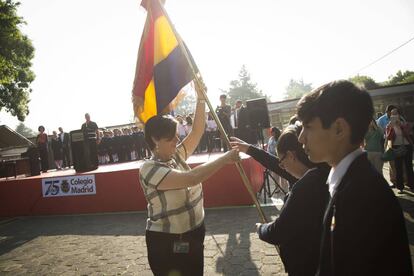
pixel 292 155
pixel 341 128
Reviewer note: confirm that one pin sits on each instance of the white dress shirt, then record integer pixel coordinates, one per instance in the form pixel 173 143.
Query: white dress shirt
pixel 211 125
pixel 181 130
pixel 336 174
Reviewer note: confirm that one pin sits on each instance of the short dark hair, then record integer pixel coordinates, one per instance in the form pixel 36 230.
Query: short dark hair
pixel 293 119
pixel 288 141
pixel 276 131
pixel 41 127
pixel 223 96
pixel 389 108
pixel 398 110
pixel 159 126
pixel 338 99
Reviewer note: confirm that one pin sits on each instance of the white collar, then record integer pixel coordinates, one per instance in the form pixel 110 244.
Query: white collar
pixel 336 174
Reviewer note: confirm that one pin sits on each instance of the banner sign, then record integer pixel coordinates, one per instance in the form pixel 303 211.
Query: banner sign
pixel 69 186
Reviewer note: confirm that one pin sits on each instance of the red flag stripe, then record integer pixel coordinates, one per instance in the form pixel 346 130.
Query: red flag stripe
pixel 146 62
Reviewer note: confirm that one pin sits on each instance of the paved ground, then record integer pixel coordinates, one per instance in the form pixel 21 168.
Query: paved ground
pixel 114 244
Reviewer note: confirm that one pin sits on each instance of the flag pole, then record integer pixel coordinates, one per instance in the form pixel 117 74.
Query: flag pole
pixel 201 88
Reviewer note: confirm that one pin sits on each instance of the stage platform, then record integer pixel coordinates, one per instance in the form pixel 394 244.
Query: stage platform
pixel 115 188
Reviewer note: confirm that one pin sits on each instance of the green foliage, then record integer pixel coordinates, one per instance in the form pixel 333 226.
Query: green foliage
pixel 242 88
pixel 25 131
pixel 297 89
pixel 16 53
pixel 364 81
pixel 401 77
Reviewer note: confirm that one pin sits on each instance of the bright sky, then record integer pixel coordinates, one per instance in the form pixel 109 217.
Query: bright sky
pixel 86 50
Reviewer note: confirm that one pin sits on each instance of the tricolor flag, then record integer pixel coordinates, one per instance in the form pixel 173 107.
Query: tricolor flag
pixel 163 68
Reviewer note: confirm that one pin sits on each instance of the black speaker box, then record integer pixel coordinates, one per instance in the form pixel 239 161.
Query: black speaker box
pixel 33 154
pixel 258 113
pixel 84 152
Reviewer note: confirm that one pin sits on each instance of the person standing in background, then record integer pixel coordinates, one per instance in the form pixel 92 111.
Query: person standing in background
pixel 188 124
pixel 211 131
pixel 271 144
pixel 89 127
pixel 374 145
pixel 398 133
pixel 42 146
pixel 181 128
pixel 240 119
pixel 91 135
pixel 57 151
pixel 224 112
pixel 382 122
pixel 64 138
pixel 234 117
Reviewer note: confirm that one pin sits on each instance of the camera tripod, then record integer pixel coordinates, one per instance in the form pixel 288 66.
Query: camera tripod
pixel 265 188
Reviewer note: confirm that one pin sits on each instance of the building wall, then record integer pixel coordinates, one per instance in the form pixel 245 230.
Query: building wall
pixel 280 118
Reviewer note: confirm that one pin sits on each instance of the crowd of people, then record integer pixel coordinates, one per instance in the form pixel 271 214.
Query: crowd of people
pixel 340 216
pixel 60 145
pixel 391 132
pixel 112 146
pixel 128 143
pixel 121 145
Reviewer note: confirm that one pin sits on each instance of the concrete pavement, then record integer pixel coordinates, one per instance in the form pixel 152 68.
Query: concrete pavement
pixel 114 244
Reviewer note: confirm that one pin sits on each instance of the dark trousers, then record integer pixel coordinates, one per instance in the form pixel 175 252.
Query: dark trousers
pixel 202 145
pixel 210 140
pixel 164 261
pixel 66 157
pixel 405 161
pixel 44 159
pixel 229 132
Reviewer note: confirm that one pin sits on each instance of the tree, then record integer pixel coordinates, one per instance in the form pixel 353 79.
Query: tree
pixel 16 53
pixel 25 131
pixel 401 77
pixel 243 88
pixel 186 105
pixel 364 81
pixel 297 89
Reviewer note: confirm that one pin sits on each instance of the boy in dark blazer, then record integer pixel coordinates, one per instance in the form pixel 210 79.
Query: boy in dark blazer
pixel 363 227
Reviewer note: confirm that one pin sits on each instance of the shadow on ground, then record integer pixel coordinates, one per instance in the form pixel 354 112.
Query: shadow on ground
pixel 18 231
pixel 407 204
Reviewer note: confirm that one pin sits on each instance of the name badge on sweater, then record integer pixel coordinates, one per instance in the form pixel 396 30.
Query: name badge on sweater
pixel 181 247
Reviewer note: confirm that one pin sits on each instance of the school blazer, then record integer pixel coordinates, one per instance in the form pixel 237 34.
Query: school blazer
pixel 298 228
pixel 363 227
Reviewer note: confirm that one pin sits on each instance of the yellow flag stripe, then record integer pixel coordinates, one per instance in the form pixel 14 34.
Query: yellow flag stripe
pixel 150 103
pixel 164 39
